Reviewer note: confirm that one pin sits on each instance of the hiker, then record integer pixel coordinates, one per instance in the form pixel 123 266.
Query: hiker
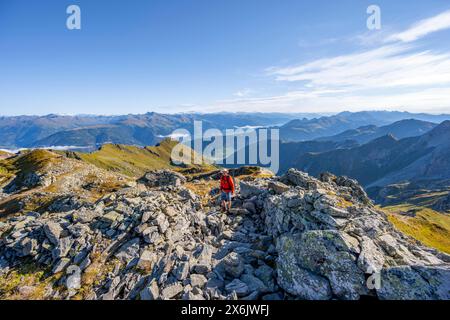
pixel 227 189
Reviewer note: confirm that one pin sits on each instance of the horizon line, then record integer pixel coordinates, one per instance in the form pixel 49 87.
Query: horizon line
pixel 329 113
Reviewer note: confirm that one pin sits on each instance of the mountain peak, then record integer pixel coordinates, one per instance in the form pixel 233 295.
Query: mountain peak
pixel 385 140
pixel 440 135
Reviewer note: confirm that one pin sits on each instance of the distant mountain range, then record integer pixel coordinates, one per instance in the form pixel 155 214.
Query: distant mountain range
pixel 150 128
pixel 145 129
pixel 400 129
pixel 387 159
pixel 310 129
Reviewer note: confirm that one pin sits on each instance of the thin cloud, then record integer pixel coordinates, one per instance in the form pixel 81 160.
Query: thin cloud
pixel 389 66
pixel 423 28
pixel 397 75
pixel 243 93
pixel 432 100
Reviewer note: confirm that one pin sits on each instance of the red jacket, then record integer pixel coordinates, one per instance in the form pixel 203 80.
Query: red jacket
pixel 226 184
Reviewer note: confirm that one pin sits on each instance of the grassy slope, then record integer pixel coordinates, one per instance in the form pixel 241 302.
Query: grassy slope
pixel 31 161
pixel 4 154
pixel 133 161
pixel 428 226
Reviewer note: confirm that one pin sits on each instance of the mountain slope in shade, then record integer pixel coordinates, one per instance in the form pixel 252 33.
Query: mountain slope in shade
pixel 433 165
pixel 310 129
pixel 400 129
pixel 98 135
pixel 388 160
pixel 292 152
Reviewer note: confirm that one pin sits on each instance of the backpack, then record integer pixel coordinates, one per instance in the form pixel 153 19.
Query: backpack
pixel 226 183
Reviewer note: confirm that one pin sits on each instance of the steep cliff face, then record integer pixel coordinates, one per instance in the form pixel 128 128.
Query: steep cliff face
pixel 289 237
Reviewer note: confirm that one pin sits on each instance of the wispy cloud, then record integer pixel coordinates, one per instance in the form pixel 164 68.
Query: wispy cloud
pixel 390 66
pixel 432 100
pixel 243 93
pixel 423 28
pixel 397 75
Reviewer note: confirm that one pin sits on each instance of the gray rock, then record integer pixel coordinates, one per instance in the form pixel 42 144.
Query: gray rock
pixel 64 245
pixel 193 297
pixel 266 275
pixel 233 264
pixel 326 254
pixel 111 217
pixel 249 206
pixel 415 283
pixel 371 257
pixel 84 215
pixel 198 280
pixel 151 292
pixel 151 235
pixel 188 194
pixel 249 189
pixel 53 232
pixel 146 216
pixel 162 223
pixel 272 297
pixel 278 187
pixel 300 179
pixel 161 178
pixel 254 284
pixel 128 251
pixel 182 271
pixel 215 283
pixel 172 290
pixel 239 287
pixel 60 265
pixel 27 246
pixel 146 260
pixel 204 262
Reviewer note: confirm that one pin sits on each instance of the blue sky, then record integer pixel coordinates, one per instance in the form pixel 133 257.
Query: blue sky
pixel 215 55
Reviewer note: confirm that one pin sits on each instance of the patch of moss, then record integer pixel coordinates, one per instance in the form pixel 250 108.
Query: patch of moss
pixel 342 203
pixel 29 281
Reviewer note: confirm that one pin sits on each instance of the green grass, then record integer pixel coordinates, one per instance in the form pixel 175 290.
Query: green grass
pixel 133 161
pixel 428 226
pixel 4 154
pixel 35 160
pixel 28 274
pixel 29 161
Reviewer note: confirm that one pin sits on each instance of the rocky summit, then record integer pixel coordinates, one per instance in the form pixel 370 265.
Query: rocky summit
pixel 287 238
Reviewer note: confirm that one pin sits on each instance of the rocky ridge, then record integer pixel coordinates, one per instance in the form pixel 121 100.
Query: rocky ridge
pixel 289 237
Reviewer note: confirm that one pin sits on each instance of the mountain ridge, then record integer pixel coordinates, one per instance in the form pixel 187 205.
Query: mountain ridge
pixel 147 129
